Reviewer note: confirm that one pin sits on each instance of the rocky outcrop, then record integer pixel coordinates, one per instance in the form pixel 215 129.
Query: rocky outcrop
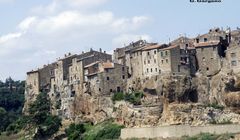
pixel 197 114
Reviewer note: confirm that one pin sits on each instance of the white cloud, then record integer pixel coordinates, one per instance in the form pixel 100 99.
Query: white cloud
pixel 41 38
pixel 26 23
pixel 9 37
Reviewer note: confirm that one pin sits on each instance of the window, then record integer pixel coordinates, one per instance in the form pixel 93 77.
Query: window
pixel 155 61
pixel 123 77
pixel 148 61
pixel 202 49
pixel 151 70
pixel 148 53
pixel 156 69
pixel 147 70
pixel 234 63
pixel 205 39
pixel 162 61
pixel 123 68
pixel 207 68
pixel 166 53
pixel 111 90
pixel 162 54
pixel 178 68
pixel 155 52
pixel 107 70
pixel 100 89
pixel 118 89
pixel 108 78
pixel 166 60
pixel 233 55
pixel 197 40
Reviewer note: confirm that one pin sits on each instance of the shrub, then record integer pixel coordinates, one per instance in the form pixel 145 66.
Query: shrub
pixel 75 131
pixel 134 98
pixel 111 131
pixel 118 96
pixel 216 106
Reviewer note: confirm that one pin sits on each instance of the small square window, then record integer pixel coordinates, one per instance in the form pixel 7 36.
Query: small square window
pixel 108 78
pixel 234 63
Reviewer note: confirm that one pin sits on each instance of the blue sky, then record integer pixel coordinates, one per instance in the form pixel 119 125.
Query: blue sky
pixel 34 32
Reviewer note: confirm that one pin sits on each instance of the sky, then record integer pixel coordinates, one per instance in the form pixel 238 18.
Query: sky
pixel 37 32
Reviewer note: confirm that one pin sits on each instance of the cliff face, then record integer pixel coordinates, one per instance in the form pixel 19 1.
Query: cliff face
pixel 167 100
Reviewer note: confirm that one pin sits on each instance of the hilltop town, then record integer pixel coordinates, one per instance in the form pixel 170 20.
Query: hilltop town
pixel 185 81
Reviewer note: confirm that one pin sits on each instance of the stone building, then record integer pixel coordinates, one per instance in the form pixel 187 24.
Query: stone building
pixel 210 50
pixel 170 61
pixel 105 77
pixel 187 53
pixel 38 81
pixel 209 57
pixel 233 57
pixel 151 61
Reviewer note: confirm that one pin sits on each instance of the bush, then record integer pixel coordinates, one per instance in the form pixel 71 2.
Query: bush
pixel 118 96
pixel 49 127
pixel 75 131
pixel 111 131
pixel 134 98
pixel 41 117
pixel 18 125
pixel 216 106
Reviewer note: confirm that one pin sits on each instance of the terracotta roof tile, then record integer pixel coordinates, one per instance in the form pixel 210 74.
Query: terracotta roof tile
pixel 151 47
pixel 108 65
pixel 170 47
pixel 205 44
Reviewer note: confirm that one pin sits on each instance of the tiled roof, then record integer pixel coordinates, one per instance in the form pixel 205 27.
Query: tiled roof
pixel 151 47
pixel 206 44
pixel 91 64
pixel 108 65
pixel 170 47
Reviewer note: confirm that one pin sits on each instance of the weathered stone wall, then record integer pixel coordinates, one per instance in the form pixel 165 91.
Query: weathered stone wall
pixel 177 131
pixel 233 57
pixel 31 89
pixel 150 63
pixel 208 59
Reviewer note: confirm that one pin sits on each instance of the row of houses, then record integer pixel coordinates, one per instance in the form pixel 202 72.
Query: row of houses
pixel 96 72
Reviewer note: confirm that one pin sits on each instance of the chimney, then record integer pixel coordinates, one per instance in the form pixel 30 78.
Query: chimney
pixel 65 55
pixel 91 49
pixel 104 51
pixel 100 49
pixel 69 53
pixel 82 52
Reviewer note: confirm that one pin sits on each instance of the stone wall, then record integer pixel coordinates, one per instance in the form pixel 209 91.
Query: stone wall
pixel 208 59
pixel 177 131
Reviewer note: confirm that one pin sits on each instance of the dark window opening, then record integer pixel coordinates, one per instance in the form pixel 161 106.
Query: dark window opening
pixel 123 77
pixel 155 52
pixel 205 39
pixel 111 90
pixel 207 68
pixel 100 89
pixel 72 93
pixel 108 78
pixel 148 53
pixel 197 40
pixel 234 63
pixel 118 89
